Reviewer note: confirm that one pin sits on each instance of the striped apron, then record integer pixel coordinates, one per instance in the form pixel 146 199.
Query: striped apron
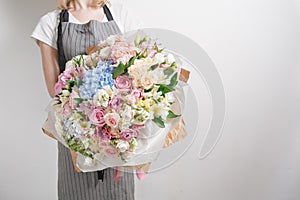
pixel 73 39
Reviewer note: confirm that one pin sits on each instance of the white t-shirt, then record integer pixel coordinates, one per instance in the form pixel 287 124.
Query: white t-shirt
pixel 46 29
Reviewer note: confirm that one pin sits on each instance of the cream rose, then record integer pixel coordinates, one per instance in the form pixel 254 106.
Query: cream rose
pixel 122 146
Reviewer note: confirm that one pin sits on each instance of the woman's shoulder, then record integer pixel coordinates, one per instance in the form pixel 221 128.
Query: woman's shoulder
pixel 50 16
pixel 45 29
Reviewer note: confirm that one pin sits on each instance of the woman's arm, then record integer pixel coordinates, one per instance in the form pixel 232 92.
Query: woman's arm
pixel 50 66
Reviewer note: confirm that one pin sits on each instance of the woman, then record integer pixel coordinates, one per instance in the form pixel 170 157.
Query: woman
pixel 61 35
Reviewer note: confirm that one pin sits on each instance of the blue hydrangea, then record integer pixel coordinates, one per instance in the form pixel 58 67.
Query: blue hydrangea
pixel 96 78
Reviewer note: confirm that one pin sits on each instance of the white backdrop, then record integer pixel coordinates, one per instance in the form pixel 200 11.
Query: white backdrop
pixel 254 44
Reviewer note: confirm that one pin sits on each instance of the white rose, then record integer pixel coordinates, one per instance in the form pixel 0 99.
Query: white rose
pixel 159 57
pixel 122 146
pixel 110 40
pixel 105 52
pixel 146 82
pixel 170 58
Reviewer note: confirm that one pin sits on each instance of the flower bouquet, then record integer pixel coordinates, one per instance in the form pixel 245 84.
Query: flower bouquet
pixel 116 106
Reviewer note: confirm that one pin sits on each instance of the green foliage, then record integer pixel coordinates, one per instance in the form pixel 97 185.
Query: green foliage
pixel 168 72
pixel 172 115
pixel 159 122
pixel 153 67
pixel 77 146
pixel 163 88
pixel 131 61
pixel 173 81
pixel 78 101
pixel 120 69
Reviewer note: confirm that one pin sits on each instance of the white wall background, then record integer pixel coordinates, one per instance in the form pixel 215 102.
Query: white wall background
pixel 254 44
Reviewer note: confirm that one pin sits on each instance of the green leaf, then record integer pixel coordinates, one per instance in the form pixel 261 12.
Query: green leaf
pixel 143 54
pixel 173 65
pixel 168 72
pixel 78 81
pixel 137 40
pixel 153 67
pixel 172 115
pixel 159 122
pixel 173 81
pixel 78 101
pixel 77 146
pixel 71 83
pixel 131 61
pixel 120 69
pixel 165 89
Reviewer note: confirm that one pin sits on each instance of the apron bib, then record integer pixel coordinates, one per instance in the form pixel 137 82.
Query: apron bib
pixel 73 39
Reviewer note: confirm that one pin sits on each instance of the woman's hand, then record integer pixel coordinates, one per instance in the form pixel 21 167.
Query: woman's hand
pixel 50 66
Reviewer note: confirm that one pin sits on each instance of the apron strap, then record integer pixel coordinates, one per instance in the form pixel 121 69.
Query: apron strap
pixel 107 13
pixel 63 17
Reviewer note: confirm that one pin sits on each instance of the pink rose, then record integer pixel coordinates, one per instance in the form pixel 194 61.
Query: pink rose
pixel 122 52
pixel 67 110
pixel 58 86
pixel 97 116
pixel 138 94
pixel 128 134
pixel 112 119
pixel 68 74
pixel 116 103
pixel 123 83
